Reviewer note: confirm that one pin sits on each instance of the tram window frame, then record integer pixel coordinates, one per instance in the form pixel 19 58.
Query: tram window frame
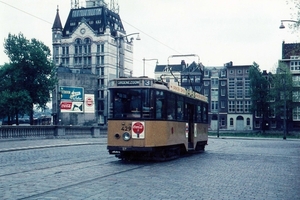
pixel 180 108
pixel 204 112
pixel 171 102
pixel 127 97
pixel 160 113
pixel 199 110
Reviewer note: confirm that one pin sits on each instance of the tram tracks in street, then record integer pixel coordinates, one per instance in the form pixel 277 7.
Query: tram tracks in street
pixel 42 194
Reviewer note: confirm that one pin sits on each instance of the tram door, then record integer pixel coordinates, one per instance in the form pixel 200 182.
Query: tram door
pixel 190 117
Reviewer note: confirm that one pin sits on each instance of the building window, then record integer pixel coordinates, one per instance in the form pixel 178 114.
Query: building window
pixel 222 104
pixel 206 83
pixel 247 88
pixel 239 106
pixel 231 88
pixel 271 113
pixel 214 106
pixel 273 124
pixel 102 60
pixel 215 82
pixel 257 124
pixel 223 83
pixel 231 71
pixel 197 79
pixel 247 106
pixel 206 73
pixel 296 96
pixel 258 114
pixel 222 121
pixel 223 92
pixel 248 121
pixel 296 80
pixel 231 122
pixel 214 93
pixel 231 106
pixel 205 92
pixel 239 88
pixel 223 73
pixel 184 79
pixel 296 113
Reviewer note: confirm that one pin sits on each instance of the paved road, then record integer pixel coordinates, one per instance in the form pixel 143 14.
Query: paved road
pixel 229 169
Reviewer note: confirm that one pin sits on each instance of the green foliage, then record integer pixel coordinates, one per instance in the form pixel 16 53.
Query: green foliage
pixel 29 77
pixel 282 91
pixel 259 90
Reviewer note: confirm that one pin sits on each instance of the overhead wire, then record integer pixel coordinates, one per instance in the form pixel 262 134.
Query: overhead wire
pixel 153 38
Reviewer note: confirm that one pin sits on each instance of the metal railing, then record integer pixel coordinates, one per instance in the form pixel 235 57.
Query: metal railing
pixel 39 132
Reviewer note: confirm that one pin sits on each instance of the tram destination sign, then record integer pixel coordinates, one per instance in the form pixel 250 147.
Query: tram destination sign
pixel 128 83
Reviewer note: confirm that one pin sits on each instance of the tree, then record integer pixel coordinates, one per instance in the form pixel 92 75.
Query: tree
pixel 259 93
pixel 33 70
pixel 13 101
pixel 282 92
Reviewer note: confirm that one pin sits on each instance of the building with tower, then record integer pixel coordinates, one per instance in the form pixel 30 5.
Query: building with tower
pixel 91 45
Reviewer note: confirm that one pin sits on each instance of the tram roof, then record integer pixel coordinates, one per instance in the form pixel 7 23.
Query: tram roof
pixel 145 82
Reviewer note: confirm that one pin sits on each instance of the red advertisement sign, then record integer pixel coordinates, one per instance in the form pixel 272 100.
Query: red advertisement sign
pixel 66 105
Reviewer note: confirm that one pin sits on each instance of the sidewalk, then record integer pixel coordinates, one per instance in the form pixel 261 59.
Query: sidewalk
pixel 17 145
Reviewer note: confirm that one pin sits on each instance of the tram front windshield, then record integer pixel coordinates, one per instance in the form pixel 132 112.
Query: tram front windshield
pixel 131 103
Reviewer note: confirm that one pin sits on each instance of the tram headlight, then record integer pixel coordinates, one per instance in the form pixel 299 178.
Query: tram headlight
pixel 126 136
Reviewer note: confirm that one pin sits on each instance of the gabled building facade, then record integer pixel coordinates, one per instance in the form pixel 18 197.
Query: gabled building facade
pixel 227 89
pixel 93 42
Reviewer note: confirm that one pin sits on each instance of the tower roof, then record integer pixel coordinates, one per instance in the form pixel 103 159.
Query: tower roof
pixel 98 18
pixel 57 22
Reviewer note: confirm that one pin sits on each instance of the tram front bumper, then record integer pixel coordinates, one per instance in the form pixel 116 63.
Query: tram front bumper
pixel 118 149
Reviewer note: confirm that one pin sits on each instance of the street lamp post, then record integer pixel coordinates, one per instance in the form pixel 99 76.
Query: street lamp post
pixel 284 83
pixel 118 40
pixel 149 59
pixel 286 20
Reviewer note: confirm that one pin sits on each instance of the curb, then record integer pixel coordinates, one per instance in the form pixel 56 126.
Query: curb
pixel 50 146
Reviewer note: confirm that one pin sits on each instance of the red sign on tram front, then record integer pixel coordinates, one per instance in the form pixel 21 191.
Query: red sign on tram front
pixel 138 130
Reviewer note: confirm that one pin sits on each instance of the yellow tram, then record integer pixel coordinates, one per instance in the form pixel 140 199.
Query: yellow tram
pixel 153 120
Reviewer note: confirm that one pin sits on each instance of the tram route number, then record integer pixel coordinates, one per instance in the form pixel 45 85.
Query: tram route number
pixel 126 127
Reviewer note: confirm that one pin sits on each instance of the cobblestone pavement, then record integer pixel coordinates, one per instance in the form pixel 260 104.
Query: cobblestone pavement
pixel 230 168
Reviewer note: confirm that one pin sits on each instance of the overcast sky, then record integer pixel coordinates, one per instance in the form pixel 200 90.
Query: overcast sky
pixel 218 31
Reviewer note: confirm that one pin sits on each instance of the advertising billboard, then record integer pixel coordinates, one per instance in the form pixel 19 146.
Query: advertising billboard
pixel 73 94
pixel 69 106
pixel 89 103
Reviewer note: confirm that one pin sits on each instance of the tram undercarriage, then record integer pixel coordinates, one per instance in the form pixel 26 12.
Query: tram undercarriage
pixel 163 153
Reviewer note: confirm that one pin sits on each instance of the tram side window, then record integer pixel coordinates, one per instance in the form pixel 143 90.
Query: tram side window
pixel 204 113
pixel 171 106
pixel 199 113
pixel 159 104
pixel 180 110
pixel 185 113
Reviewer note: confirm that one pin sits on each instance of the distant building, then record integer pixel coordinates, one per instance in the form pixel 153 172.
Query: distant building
pixel 227 89
pixel 91 49
pixel 291 57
